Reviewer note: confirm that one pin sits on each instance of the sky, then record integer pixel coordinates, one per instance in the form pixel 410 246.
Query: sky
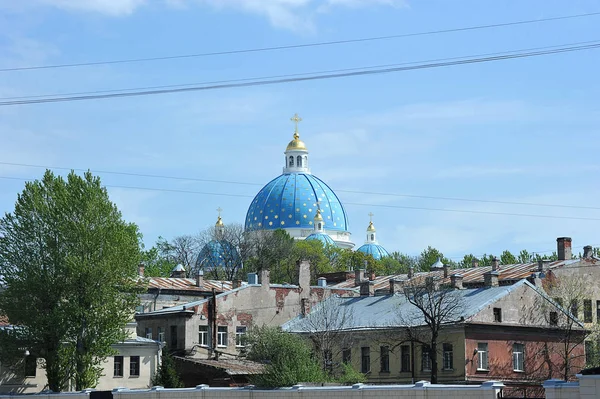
pixel 522 130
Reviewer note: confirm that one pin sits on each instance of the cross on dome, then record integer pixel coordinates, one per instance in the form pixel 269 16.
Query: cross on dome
pixel 296 119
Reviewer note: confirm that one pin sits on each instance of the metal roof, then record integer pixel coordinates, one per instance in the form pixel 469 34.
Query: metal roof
pixel 230 366
pixel 471 276
pixel 188 284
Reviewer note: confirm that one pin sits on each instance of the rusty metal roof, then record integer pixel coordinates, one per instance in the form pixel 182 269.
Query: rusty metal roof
pixel 230 366
pixel 472 276
pixel 188 284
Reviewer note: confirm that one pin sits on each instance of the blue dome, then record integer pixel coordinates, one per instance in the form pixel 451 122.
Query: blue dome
pixel 375 250
pixel 218 254
pixel 290 201
pixel 324 238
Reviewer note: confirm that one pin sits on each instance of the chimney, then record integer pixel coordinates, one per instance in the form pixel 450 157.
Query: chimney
pixel 563 247
pixel 411 271
pixel 475 262
pixel 495 264
pixel 141 268
pixel 305 305
pixel 372 276
pixel 395 286
pixel 446 268
pixel 178 271
pixel 588 252
pixel 265 277
pixel 490 279
pixel 303 268
pixel 543 265
pixel 456 280
pixel 322 282
pixel 236 283
pixel 252 278
pixel 200 278
pixel 359 276
pixel 367 288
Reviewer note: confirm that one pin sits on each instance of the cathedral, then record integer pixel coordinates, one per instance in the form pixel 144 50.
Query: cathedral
pixel 303 205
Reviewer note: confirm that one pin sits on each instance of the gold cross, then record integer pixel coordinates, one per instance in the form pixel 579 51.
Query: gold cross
pixel 296 119
pixel 219 210
pixel 371 216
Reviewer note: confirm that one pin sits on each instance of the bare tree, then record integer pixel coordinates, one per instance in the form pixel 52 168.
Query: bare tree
pixel 328 327
pixel 222 249
pixel 435 307
pixel 181 249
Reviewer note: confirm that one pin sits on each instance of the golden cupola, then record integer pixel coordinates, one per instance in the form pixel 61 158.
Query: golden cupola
pixel 371 226
pixel 296 153
pixel 296 144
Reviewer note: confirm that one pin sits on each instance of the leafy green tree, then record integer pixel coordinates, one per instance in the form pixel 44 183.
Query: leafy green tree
pixel 68 262
pixel 314 252
pixel 155 264
pixel 524 257
pixel 406 261
pixel 467 261
pixel 507 258
pixel 429 256
pixel 166 375
pixel 389 265
pixel 288 359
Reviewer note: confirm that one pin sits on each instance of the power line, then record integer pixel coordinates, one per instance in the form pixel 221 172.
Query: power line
pixel 98 171
pixel 133 89
pixel 346 203
pixel 305 45
pixel 301 79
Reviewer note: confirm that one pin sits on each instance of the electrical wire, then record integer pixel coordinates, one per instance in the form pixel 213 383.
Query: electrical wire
pixel 97 171
pixel 346 203
pixel 303 79
pixel 293 46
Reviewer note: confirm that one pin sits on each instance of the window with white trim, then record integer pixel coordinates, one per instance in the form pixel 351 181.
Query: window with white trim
pixel 203 335
pixel 160 334
pixel 222 336
pixel 482 356
pixel 149 332
pixel 518 357
pixel 448 357
pixel 240 336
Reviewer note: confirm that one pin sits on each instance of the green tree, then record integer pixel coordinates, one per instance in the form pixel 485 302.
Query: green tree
pixel 406 261
pixel 429 256
pixel 68 261
pixel 314 252
pixel 287 358
pixel 155 264
pixel 507 258
pixel 166 375
pixel 467 261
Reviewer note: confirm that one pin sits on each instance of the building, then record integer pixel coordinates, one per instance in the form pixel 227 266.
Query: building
pixel 214 328
pixel 291 200
pixel 504 333
pixel 133 366
pixel 371 245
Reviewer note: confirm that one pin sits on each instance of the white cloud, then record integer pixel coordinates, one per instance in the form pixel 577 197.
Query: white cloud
pixel 108 7
pixel 367 3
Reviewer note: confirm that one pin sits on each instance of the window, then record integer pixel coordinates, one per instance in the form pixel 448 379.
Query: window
pixel 240 336
pixel 299 161
pixel 575 308
pixel 161 334
pixel 365 352
pixel 118 366
pixel 222 336
pixel 589 352
pixel 173 337
pixel 448 357
pixel 482 356
pixel 291 161
pixel 425 358
pixel 498 315
pixel 328 360
pixel 319 226
pixel 518 357
pixel 347 356
pixel 405 358
pixel 203 335
pixel 148 332
pixel 587 310
pixel 134 366
pixel 372 237
pixel 553 318
pixel 30 366
pixel 384 358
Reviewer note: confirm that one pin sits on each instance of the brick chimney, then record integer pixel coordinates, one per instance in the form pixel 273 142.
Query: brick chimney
pixel 367 288
pixel 395 286
pixel 490 279
pixel 372 276
pixel 265 276
pixel 141 268
pixel 495 264
pixel 543 265
pixel 563 248
pixel 446 268
pixel 411 271
pixel 456 280
pixel 200 278
pixel 359 276
pixel 475 263
pixel 588 252
pixel 303 268
pixel 236 283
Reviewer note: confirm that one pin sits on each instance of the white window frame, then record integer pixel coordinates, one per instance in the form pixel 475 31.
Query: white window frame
pixel 149 332
pixel 240 332
pixel 203 335
pixel 160 334
pixel 222 336
pixel 448 357
pixel 482 356
pixel 518 357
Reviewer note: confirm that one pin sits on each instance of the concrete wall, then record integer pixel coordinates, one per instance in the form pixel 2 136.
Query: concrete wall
pixel 588 387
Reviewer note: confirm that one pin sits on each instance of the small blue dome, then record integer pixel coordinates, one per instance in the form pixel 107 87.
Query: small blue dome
pixel 218 254
pixel 375 250
pixel 324 238
pixel 290 201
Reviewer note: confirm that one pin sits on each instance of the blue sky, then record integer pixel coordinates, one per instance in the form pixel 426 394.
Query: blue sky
pixel 521 130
